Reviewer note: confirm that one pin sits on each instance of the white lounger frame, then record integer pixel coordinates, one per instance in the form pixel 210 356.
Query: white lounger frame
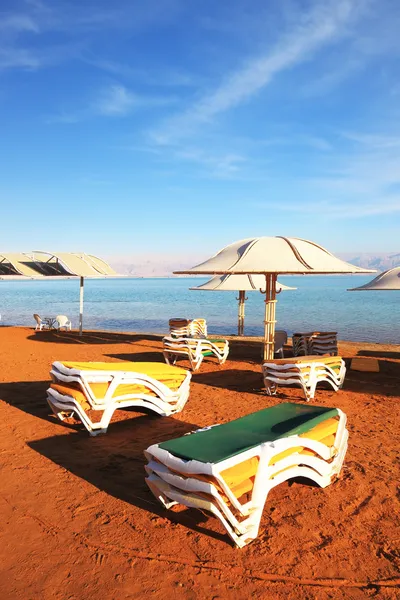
pixel 166 401
pixel 181 487
pixel 192 349
pixel 303 374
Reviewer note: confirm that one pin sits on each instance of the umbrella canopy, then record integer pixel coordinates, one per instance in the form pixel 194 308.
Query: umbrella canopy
pixel 271 256
pixel 242 284
pixel 233 283
pixel 388 280
pixel 16 265
pixel 64 265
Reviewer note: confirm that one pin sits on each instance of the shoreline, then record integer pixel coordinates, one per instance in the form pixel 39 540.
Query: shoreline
pixel 230 337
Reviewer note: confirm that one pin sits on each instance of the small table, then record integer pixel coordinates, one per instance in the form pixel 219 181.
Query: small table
pixel 50 322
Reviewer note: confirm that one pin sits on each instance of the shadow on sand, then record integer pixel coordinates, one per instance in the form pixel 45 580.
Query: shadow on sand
pixel 385 382
pixel 243 380
pixel 91 337
pixel 28 396
pixel 114 463
pixel 153 356
pixel 379 354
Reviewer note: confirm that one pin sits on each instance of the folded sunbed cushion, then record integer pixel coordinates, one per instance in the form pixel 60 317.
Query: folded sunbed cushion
pixel 147 368
pixel 179 322
pixel 99 390
pixel 159 371
pixel 170 376
pixel 206 348
pixel 305 359
pixel 227 440
pixel 72 392
pixel 240 477
pixel 302 362
pixel 220 344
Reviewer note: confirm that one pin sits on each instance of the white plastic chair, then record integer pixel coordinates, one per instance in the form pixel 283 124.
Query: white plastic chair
pixel 280 341
pixel 63 321
pixel 40 324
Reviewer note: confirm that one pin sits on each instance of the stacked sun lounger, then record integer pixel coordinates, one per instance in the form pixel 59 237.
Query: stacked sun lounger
pixel 323 342
pixel 188 328
pixel 305 372
pixel 228 470
pixel 300 344
pixel 315 343
pixel 79 388
pixel 194 349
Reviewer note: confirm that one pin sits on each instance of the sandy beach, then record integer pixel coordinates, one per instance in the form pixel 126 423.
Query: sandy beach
pixel 78 520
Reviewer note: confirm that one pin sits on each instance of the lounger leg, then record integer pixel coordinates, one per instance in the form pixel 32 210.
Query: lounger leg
pixel 167 359
pixel 159 495
pixel 271 387
pixel 105 420
pixel 195 365
pixel 309 392
pixel 241 539
pixel 60 414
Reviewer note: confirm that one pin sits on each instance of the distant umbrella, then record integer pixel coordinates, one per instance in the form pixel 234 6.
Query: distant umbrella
pixel 61 265
pixel 242 284
pixel 386 281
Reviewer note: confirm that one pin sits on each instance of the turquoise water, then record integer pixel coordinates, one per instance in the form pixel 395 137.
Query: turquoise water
pixel 145 305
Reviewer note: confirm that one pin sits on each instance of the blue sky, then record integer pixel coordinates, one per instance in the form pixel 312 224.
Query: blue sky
pixel 173 126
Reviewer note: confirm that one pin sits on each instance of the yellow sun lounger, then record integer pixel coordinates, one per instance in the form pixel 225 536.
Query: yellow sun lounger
pixel 188 328
pixel 194 349
pixel 305 372
pixel 228 470
pixel 82 387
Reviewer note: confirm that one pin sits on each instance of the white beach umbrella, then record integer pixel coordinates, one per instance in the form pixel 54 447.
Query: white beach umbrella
pixel 271 256
pixel 61 265
pixel 242 284
pixel 74 264
pixel 386 281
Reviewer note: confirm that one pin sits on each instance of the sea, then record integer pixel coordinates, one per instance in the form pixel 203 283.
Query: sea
pixel 146 304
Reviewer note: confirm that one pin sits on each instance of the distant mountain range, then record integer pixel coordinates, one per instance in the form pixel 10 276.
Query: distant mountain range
pixel 151 266
pixel 378 260
pixel 154 266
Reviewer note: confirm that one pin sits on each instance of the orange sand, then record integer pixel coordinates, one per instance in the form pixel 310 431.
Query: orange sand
pixel 78 522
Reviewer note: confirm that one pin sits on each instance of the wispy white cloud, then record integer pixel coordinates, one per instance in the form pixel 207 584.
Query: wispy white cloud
pixel 16 23
pixel 77 17
pixel 168 77
pixel 74 20
pixel 373 141
pixel 118 100
pixel 327 210
pixel 332 77
pixel 296 140
pixel 115 100
pixel 362 179
pixel 217 164
pixel 325 23
pixel 18 58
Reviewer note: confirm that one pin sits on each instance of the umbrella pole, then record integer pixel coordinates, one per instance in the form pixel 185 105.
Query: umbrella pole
pixel 242 299
pixel 269 320
pixel 81 307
